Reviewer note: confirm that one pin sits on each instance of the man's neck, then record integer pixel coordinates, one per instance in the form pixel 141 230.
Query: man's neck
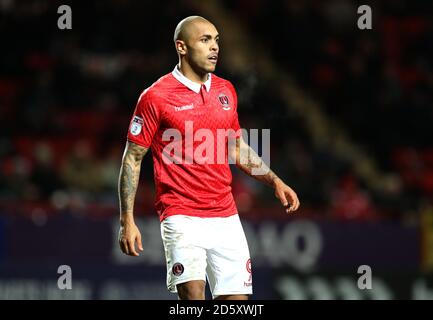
pixel 188 72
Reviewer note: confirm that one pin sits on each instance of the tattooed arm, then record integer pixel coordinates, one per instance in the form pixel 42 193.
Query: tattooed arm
pixel 128 182
pixel 249 162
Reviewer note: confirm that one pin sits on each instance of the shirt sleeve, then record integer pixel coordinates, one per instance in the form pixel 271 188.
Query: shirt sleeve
pixel 145 121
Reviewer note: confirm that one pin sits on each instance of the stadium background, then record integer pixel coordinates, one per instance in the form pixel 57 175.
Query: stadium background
pixel 350 114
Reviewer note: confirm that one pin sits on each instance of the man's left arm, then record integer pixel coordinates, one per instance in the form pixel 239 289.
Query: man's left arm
pixel 249 162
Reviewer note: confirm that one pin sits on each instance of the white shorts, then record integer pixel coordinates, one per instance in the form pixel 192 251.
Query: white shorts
pixel 213 248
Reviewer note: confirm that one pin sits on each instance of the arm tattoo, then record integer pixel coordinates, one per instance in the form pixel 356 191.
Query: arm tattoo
pixel 129 176
pixel 249 162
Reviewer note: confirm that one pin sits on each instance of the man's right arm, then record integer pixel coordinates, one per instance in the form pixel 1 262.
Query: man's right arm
pixel 128 183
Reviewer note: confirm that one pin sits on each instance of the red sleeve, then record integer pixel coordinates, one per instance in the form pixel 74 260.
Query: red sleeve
pixel 145 121
pixel 235 123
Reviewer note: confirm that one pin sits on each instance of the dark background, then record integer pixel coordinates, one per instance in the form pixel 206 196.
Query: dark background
pixel 350 113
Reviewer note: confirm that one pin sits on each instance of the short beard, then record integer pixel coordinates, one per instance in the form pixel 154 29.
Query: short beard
pixel 199 70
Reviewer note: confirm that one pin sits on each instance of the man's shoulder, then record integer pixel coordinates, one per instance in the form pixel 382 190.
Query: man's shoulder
pixel 221 82
pixel 160 87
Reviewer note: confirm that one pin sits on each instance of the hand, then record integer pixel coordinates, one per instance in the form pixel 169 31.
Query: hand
pixel 287 196
pixel 128 236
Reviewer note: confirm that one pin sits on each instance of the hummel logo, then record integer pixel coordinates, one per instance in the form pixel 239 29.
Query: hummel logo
pixel 187 107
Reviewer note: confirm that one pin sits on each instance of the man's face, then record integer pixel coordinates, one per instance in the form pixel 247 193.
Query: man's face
pixel 202 47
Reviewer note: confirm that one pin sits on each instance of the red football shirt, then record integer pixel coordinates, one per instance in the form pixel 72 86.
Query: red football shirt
pixel 175 118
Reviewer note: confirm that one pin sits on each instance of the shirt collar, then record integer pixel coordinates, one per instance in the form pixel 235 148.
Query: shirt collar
pixel 194 86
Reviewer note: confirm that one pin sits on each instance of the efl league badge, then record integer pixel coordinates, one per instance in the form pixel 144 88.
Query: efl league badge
pixel 136 125
pixel 224 101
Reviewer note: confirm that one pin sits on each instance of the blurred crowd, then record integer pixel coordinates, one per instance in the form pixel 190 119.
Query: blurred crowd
pixel 377 84
pixel 66 98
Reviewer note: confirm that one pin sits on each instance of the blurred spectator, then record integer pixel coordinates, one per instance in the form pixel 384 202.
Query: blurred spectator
pixel 81 171
pixel 44 175
pixel 109 168
pixel 349 202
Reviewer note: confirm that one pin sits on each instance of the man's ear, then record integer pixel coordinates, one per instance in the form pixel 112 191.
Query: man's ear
pixel 181 47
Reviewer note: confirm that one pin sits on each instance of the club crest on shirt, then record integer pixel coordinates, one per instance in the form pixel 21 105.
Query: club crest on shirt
pixel 248 265
pixel 249 282
pixel 224 100
pixel 177 269
pixel 136 125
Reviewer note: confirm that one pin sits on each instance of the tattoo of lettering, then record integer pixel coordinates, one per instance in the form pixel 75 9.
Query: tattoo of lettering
pixel 129 176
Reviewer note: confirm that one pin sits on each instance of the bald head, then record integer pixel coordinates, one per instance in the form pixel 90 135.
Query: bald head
pixel 196 42
pixel 186 27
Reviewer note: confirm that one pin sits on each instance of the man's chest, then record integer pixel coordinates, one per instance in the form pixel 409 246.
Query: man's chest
pixel 209 110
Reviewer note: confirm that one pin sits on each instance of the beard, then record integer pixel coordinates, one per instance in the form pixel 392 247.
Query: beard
pixel 202 66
